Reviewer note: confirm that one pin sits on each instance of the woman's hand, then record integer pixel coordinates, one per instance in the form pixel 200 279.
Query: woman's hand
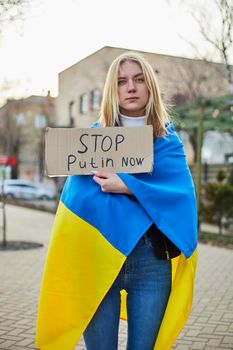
pixel 110 182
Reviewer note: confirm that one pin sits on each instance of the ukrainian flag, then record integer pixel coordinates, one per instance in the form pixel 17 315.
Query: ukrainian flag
pixel 93 234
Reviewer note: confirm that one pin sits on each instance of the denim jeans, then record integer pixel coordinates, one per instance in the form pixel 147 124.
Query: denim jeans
pixel 147 281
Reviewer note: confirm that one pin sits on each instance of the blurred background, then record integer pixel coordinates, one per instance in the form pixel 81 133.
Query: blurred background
pixel 54 56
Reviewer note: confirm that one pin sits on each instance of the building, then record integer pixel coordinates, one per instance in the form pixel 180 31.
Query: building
pixel 181 80
pixel 22 125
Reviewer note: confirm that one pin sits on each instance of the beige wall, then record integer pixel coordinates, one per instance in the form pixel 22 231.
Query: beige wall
pixel 179 78
pixel 25 141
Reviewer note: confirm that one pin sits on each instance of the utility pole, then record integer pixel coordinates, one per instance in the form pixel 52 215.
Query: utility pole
pixel 2 206
pixel 202 106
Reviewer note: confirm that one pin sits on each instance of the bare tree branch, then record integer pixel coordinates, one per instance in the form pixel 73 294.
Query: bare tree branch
pixel 218 32
pixel 11 10
pixel 197 79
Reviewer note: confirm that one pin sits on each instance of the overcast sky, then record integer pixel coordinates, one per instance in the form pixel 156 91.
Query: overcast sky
pixel 57 34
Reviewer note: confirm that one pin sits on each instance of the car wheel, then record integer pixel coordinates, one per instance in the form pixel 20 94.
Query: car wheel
pixel 44 197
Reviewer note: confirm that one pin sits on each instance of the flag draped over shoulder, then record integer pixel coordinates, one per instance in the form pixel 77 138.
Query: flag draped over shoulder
pixel 93 234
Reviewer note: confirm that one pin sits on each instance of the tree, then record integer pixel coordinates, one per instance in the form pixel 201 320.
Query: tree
pixel 219 202
pixel 13 11
pixel 197 79
pixel 10 10
pixel 217 32
pixel 220 205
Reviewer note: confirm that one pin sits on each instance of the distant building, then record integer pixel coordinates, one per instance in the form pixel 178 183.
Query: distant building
pixel 181 80
pixel 22 125
pixel 217 147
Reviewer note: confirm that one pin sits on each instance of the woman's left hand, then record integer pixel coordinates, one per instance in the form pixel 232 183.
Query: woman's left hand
pixel 110 182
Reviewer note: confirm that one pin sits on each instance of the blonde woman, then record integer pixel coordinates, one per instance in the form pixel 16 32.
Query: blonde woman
pixel 120 232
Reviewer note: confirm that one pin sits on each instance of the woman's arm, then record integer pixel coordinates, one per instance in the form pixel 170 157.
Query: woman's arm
pixel 110 182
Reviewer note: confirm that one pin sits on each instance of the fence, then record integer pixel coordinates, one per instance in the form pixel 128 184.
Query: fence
pixel 210 171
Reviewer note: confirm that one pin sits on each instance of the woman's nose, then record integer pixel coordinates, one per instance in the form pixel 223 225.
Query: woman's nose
pixel 131 86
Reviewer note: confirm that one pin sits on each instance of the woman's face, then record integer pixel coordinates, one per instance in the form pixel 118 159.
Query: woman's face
pixel 133 93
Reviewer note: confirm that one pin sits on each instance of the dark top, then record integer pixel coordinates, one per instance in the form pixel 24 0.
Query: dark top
pixel 163 247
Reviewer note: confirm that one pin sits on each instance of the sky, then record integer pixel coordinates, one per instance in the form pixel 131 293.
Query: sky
pixel 57 34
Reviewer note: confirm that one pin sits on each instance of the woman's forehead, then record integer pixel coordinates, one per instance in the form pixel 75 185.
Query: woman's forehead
pixel 129 67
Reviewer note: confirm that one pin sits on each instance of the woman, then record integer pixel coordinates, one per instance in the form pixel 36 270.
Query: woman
pixel 117 232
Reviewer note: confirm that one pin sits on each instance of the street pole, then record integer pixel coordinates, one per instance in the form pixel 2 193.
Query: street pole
pixel 40 125
pixel 3 209
pixel 4 213
pixel 199 155
pixel 40 155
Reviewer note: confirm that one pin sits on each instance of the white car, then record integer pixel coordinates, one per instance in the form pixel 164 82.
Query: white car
pixel 22 189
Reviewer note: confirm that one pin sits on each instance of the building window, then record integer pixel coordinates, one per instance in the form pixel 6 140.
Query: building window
pixel 83 103
pixel 40 121
pixel 20 119
pixel 95 99
pixel 71 113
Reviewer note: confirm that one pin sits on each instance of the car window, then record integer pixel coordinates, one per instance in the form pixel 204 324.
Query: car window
pixel 21 185
pixel 27 186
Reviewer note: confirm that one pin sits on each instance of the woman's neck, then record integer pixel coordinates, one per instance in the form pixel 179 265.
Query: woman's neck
pixel 132 121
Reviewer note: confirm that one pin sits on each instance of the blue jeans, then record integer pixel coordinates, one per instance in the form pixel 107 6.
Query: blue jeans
pixel 147 281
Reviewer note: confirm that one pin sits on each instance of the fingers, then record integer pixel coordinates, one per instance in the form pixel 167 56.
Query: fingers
pixel 103 183
pixel 102 174
pixel 98 180
pixel 111 184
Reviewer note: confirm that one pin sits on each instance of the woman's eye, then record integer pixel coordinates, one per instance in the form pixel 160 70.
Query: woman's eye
pixel 121 82
pixel 140 80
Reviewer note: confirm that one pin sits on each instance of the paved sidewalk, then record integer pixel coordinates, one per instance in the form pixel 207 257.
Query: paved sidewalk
pixel 210 326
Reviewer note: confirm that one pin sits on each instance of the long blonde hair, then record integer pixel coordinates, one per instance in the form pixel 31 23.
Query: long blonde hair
pixel 155 109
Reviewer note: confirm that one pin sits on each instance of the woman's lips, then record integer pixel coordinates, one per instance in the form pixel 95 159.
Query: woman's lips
pixel 131 98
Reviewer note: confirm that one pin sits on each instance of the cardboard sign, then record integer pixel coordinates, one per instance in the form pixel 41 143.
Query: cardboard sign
pixel 71 151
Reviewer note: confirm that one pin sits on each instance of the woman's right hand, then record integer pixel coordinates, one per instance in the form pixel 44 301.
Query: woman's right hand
pixel 110 182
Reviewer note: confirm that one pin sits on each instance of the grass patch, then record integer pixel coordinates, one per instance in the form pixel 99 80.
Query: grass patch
pixel 216 239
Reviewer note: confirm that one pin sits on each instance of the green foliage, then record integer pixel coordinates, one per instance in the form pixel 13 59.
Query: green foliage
pixel 218 114
pixel 230 178
pixel 221 175
pixel 219 204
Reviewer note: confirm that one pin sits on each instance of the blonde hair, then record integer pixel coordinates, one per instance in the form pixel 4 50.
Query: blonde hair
pixel 155 109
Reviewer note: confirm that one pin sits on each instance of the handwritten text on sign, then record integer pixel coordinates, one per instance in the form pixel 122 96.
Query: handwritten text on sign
pixel 113 149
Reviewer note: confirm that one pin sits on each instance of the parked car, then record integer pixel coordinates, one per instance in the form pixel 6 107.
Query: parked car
pixel 22 189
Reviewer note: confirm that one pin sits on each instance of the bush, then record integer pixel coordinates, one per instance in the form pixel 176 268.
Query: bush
pixel 219 205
